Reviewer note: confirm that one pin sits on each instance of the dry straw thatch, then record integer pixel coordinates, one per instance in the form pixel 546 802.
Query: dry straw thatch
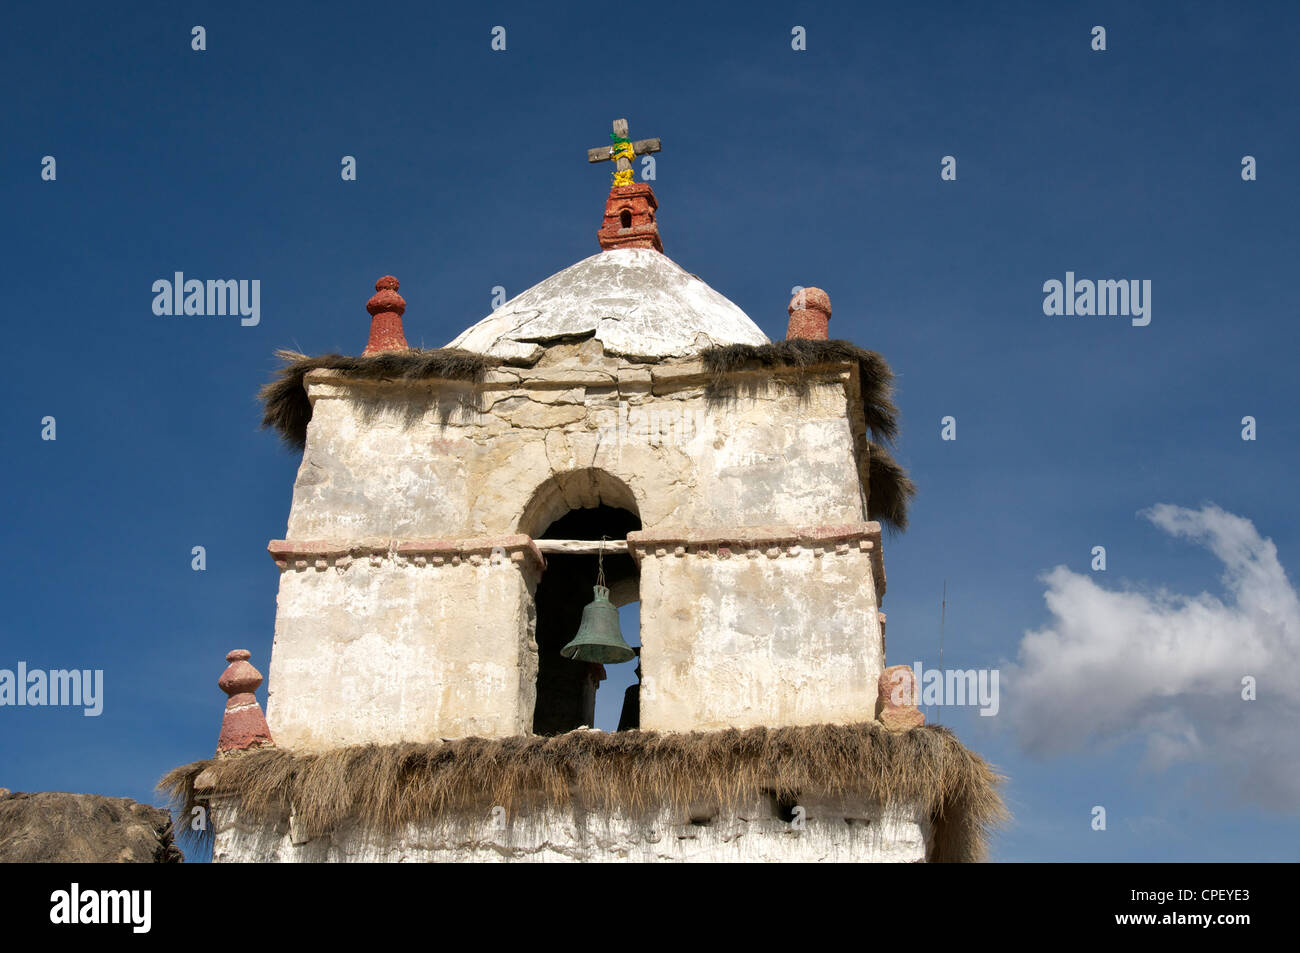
pixel 891 490
pixel 388 786
pixel 52 827
pixel 795 357
pixel 287 409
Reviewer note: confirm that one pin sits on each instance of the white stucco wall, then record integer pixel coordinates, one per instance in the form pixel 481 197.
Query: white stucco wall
pixel 447 459
pixel 386 647
pixel 758 634
pixel 835 829
pixel 401 648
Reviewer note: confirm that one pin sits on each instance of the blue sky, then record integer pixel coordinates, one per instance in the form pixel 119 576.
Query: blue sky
pixel 779 168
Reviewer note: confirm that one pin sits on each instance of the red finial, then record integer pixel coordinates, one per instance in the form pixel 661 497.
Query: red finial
pixel 630 218
pixel 386 309
pixel 810 315
pixel 896 697
pixel 243 726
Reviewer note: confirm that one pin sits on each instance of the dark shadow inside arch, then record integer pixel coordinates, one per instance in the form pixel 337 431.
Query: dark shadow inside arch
pixel 566 689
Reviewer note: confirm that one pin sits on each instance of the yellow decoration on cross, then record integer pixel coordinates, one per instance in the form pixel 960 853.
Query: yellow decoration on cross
pixel 622 153
pixel 622 150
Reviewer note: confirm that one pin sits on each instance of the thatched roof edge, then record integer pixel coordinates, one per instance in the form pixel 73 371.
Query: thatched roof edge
pixel 890 489
pixel 389 786
pixel 876 378
pixel 284 399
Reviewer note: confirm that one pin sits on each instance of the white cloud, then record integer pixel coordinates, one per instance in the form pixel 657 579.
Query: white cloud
pixel 1168 668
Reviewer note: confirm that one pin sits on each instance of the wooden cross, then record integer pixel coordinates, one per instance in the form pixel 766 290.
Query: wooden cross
pixel 623 166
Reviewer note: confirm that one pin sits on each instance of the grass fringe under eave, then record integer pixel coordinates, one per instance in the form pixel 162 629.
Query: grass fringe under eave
pixel 386 787
pixel 287 409
pixel 876 379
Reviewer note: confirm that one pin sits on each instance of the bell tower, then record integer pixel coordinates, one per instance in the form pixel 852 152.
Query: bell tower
pixel 466 523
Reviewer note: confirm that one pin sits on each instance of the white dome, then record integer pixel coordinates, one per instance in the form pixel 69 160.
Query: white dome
pixel 635 301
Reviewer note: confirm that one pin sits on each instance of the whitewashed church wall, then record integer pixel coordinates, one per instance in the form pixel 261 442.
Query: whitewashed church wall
pixel 833 829
pixel 445 460
pixel 766 636
pixel 388 650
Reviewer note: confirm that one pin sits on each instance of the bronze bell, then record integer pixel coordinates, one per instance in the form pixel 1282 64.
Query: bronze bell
pixel 599 638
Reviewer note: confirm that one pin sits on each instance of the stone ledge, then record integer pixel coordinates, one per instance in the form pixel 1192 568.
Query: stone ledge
pixel 323 554
pixel 324 378
pixel 664 376
pixel 695 774
pixel 769 541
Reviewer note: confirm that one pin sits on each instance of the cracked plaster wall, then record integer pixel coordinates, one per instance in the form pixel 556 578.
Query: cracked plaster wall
pixel 756 639
pixel 389 650
pixel 383 650
pixel 844 829
pixel 445 460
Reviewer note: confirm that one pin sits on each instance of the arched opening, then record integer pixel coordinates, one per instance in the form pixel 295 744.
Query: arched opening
pixel 566 688
pixel 587 488
pixel 625 218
